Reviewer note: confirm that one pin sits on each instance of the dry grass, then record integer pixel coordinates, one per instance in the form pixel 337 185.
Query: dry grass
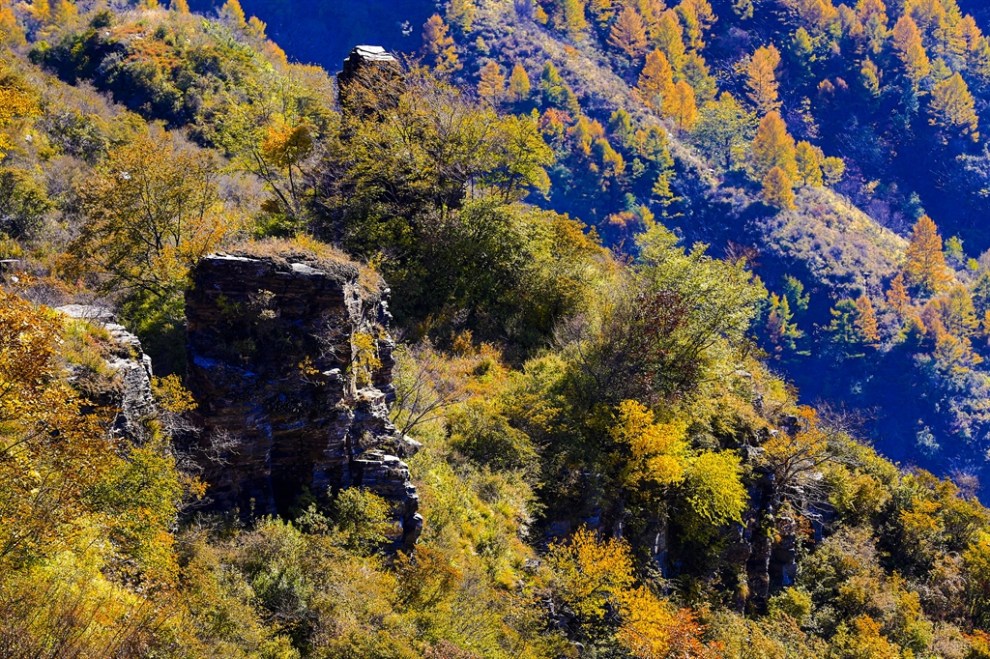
pixel 308 250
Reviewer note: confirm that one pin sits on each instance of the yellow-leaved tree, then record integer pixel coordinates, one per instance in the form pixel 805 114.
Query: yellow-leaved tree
pixel 761 79
pixel 152 210
pixel 925 266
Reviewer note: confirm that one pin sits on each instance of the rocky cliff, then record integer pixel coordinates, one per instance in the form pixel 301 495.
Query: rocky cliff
pixel 290 360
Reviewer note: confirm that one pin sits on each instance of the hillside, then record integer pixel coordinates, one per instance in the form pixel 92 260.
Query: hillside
pixel 571 336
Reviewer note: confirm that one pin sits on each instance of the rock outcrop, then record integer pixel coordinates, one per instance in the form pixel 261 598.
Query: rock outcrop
pixel 129 389
pixel 290 360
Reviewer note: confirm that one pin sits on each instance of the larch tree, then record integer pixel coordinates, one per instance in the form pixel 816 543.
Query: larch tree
pixel 572 17
pixel 628 33
pixel 461 13
pixel 910 50
pixel 698 17
pixel 778 189
pixel 774 147
pixel 953 109
pixel 656 80
pixel 669 38
pixel 439 48
pixel 898 297
pixel 519 84
pixel 683 107
pixel 234 13
pixel 761 79
pixel 491 83
pixel 866 320
pixel 809 163
pixel 872 16
pixel 180 6
pixel 925 266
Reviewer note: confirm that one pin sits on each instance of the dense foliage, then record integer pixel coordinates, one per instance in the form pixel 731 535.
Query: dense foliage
pixel 608 225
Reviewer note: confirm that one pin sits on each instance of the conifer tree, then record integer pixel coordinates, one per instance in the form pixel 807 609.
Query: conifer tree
pixel 866 321
pixel 669 38
pixel 628 33
pixel 439 48
pixel 778 190
pixel 682 108
pixel 761 79
pixel 925 264
pixel 573 18
pixel 910 50
pixel 953 108
pixel 809 164
pixel 698 17
pixel 897 295
pixel 656 80
pixel 774 147
pixel 234 13
pixel 180 6
pixel 872 16
pixel 519 84
pixel 461 13
pixel 491 85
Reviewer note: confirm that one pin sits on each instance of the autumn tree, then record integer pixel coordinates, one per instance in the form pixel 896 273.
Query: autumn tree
pixel 682 107
pixel 180 6
pixel 761 79
pixel 519 84
pixel 572 17
pixel 234 14
pixel 925 266
pixel 724 131
pixel 668 35
pixel 590 573
pixel 872 15
pixel 628 34
pixel 910 50
pixel 897 295
pixel 151 212
pixel 461 13
pixel 953 108
pixel 657 452
pixel 439 48
pixel 866 320
pixel 698 18
pixel 809 164
pixel 773 147
pixel 491 83
pixel 778 189
pixel 656 80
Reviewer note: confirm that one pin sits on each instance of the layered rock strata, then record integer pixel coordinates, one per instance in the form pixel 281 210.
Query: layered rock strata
pixel 290 360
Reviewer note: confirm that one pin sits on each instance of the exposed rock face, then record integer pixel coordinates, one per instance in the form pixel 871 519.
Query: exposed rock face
pixel 131 387
pixel 290 360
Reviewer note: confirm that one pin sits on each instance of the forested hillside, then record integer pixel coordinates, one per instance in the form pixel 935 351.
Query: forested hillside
pixel 579 252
